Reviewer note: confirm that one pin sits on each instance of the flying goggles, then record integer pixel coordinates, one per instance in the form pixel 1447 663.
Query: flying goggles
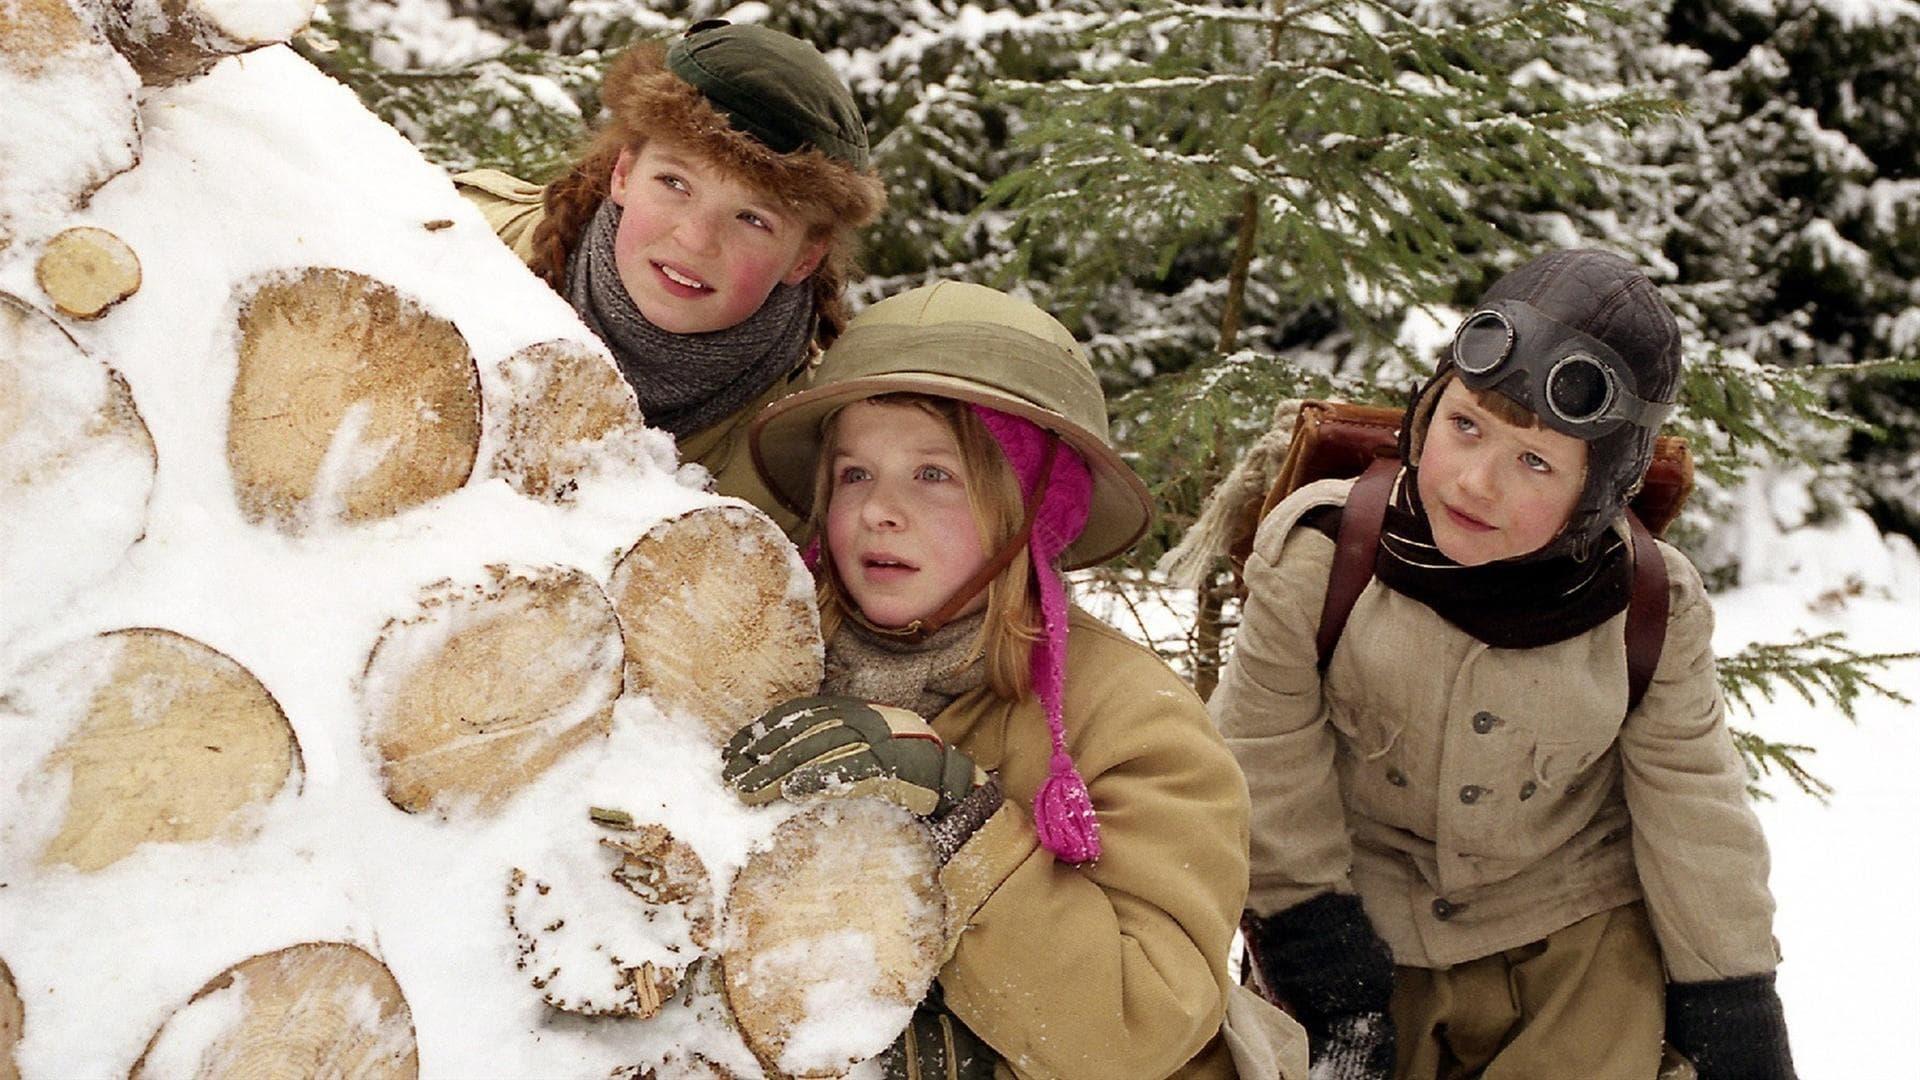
pixel 1574 382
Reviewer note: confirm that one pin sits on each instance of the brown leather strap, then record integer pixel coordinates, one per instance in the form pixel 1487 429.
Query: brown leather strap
pixel 920 628
pixel 1646 611
pixel 1353 554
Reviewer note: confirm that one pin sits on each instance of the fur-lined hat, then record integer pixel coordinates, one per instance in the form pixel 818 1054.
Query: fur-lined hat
pixel 762 104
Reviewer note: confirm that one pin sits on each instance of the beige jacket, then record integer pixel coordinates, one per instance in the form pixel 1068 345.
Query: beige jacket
pixel 1479 799
pixel 514 208
pixel 1116 970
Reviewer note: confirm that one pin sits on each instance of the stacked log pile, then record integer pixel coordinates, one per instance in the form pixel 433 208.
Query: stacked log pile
pixel 363 655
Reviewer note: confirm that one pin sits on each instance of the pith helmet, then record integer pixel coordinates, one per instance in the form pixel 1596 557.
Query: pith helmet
pixel 957 340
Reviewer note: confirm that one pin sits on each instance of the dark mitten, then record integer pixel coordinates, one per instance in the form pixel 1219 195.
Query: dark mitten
pixel 1328 968
pixel 1731 1029
pixel 937 1046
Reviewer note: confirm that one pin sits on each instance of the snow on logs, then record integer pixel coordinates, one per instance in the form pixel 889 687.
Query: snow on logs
pixel 313 1009
pixel 752 608
pixel 808 947
pixel 579 939
pixel 352 402
pixel 162 739
pixel 329 416
pixel 170 40
pixel 71 121
pixel 76 459
pixel 554 409
pixel 488 685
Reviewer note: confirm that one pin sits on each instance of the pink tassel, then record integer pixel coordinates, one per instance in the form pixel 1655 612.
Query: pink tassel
pixel 1063 814
pixel 1062 807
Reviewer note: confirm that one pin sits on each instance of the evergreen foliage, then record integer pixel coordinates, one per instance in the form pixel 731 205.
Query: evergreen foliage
pixel 1239 202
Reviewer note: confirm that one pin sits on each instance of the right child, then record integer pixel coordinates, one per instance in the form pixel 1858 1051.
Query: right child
pixel 1461 831
pixel 705 232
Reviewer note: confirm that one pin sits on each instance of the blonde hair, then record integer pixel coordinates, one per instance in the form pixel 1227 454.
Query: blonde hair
pixel 644 100
pixel 1012 623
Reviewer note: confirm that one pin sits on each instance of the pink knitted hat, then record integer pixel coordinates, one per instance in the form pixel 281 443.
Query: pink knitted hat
pixel 1062 809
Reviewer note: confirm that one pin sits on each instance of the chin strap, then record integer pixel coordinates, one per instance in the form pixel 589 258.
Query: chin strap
pixel 919 629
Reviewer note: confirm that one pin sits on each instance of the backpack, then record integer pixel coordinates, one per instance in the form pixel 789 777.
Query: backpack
pixel 1335 439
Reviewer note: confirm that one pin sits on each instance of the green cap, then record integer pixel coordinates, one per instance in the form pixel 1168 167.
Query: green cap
pixel 772 86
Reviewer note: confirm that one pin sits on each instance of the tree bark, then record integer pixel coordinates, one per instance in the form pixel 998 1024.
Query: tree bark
pixel 474 697
pixel 313 1009
pixel 86 271
pixel 167 41
pixel 12 1023
pixel 723 639
pixel 352 403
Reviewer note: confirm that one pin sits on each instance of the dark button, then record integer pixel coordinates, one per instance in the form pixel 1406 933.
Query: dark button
pixel 1444 910
pixel 1396 777
pixel 1574 788
pixel 1471 794
pixel 1527 789
pixel 1484 722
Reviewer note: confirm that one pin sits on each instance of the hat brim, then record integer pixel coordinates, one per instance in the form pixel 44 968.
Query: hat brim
pixel 785 443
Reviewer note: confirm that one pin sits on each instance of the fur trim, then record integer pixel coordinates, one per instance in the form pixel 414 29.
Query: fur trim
pixel 1232 509
pixel 648 101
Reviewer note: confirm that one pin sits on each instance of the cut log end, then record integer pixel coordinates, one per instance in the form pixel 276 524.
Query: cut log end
pixel 480 693
pixel 583 948
pixel 186 37
pixel 85 271
pixel 318 1008
pixel 556 410
pixel 841 915
pixel 173 742
pixel 718 618
pixel 352 403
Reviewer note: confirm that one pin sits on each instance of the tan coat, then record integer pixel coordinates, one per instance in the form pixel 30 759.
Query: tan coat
pixel 514 208
pixel 1479 799
pixel 1116 970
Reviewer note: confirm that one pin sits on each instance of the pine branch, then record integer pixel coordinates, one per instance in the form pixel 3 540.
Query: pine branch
pixel 1816 667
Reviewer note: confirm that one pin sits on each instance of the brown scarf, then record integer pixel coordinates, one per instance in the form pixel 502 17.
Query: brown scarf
pixel 925 676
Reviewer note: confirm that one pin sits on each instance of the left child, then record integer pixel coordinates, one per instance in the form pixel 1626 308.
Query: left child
pixel 951 459
pixel 705 232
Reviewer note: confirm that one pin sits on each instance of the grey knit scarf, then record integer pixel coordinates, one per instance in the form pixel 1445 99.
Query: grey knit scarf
pixel 686 383
pixel 925 676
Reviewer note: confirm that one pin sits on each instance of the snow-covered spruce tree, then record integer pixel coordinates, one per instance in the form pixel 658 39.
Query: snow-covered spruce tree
pixel 1795 236
pixel 1260 174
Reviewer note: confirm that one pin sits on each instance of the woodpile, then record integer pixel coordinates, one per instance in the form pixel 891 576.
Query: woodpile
pixel 341 587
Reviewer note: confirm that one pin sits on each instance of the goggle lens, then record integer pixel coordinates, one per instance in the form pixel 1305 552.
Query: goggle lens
pixel 1483 343
pixel 1578 389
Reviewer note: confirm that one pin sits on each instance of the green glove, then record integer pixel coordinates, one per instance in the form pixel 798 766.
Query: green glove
pixel 815 746
pixel 937 1046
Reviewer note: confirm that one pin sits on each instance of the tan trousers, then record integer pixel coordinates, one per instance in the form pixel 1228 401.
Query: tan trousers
pixel 1585 1003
